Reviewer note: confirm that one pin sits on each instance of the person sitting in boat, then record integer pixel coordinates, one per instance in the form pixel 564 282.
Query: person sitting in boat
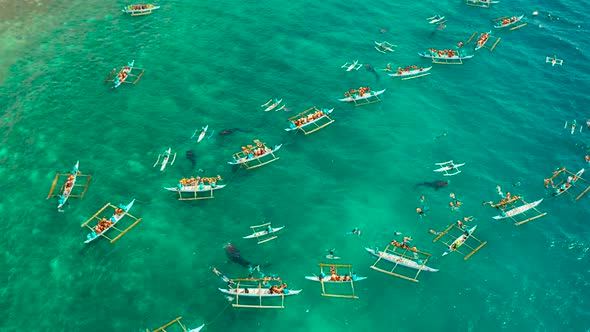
pixel 334 274
pixel 407 240
pixel 274 290
pixel 119 211
pixel 345 277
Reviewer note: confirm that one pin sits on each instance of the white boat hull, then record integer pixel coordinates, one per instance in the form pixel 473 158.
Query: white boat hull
pixel 500 26
pixel 328 112
pixel 75 173
pixel 261 233
pixel 245 159
pixel 411 72
pixel 366 95
pixel 395 259
pixel 256 292
pixel 192 189
pixel 456 57
pixel 448 168
pixel 202 135
pixel 327 279
pixel 93 236
pixel 460 240
pixel 518 210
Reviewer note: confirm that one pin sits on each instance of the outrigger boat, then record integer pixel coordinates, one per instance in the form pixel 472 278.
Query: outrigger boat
pixel 436 19
pixel 411 72
pixel 384 47
pixel 272 104
pixel 104 224
pixel 511 210
pixel 445 57
pixel 69 185
pixel 202 133
pixel 566 184
pixel 335 278
pixel 449 168
pixel 263 233
pixel 461 240
pixel 509 22
pixel 409 258
pixel 199 188
pixel 355 65
pixel 140 9
pixel 362 96
pixel 165 158
pixel 121 75
pixel 313 117
pixel 554 61
pixel 481 3
pixel 177 321
pixel 261 154
pixel 483 39
pixel 253 288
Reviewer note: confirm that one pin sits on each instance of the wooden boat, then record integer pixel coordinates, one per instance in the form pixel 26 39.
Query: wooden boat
pixel 356 96
pixel 115 218
pixel 257 292
pixel 412 73
pixel 460 240
pixel 481 3
pixel 258 288
pixel 435 19
pixel 343 278
pixel 518 210
pixel 271 104
pixel 385 46
pixel 395 259
pixel 122 75
pixel 355 65
pixel 197 188
pixel 565 186
pixel 165 158
pixel 200 188
pixel 140 9
pixel 264 232
pixel 203 132
pixel 447 167
pixel 505 22
pixel 457 56
pixel 301 121
pixel 482 40
pixel 71 181
pixel 329 279
pixel 66 190
pixel 249 154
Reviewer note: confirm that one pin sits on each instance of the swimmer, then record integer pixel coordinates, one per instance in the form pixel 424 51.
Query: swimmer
pixel 434 233
pixel 443 135
pixel 397 233
pixel 499 189
pixel 356 231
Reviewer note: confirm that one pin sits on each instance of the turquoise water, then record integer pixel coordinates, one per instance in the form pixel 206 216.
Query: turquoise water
pixel 214 63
